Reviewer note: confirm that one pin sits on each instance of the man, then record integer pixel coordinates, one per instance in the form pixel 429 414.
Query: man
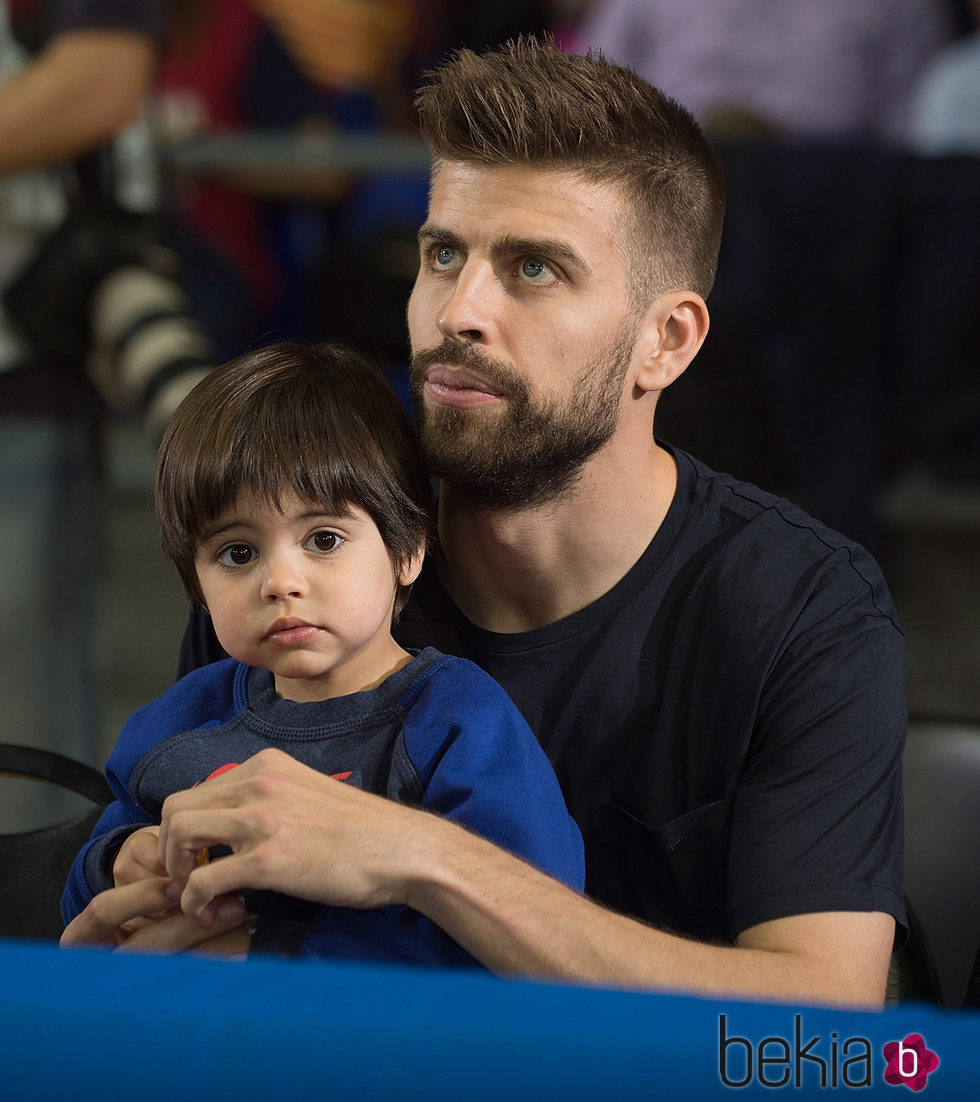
pixel 717 678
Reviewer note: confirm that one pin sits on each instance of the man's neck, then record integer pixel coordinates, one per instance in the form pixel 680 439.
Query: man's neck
pixel 514 570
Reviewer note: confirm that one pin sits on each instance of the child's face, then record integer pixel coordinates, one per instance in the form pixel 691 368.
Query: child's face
pixel 305 595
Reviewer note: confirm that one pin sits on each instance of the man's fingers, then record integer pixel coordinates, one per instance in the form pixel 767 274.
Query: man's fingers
pixel 237 809
pixel 184 832
pixel 289 829
pixel 191 833
pixel 232 944
pixel 213 887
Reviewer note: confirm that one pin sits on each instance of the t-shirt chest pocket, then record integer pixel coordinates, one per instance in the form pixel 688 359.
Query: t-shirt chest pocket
pixel 673 876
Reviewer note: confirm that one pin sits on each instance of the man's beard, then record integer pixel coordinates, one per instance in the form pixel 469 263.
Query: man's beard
pixel 528 452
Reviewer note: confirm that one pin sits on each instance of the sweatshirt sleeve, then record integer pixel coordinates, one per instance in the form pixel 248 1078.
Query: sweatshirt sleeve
pixel 203 697
pixel 91 871
pixel 480 766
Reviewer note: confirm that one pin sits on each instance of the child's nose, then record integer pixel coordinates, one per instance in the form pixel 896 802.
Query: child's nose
pixel 282 579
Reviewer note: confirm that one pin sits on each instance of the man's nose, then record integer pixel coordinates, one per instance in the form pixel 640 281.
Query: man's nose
pixel 468 313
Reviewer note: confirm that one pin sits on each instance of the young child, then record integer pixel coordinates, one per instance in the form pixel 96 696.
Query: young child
pixel 292 501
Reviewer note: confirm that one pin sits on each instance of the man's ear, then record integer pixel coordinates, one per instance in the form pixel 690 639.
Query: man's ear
pixel 408 568
pixel 671 335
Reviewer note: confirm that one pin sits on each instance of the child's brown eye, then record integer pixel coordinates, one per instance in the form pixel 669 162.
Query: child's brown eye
pixel 236 554
pixel 325 541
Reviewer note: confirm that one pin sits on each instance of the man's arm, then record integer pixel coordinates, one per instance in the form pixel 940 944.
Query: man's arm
pixel 78 92
pixel 514 920
pixel 296 831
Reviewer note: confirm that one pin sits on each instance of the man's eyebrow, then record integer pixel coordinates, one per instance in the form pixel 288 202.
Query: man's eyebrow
pixel 433 234
pixel 548 248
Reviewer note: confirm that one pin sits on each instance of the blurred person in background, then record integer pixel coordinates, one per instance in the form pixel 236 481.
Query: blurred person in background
pixel 227 71
pixel 838 71
pixel 360 248
pixel 91 63
pixel 945 118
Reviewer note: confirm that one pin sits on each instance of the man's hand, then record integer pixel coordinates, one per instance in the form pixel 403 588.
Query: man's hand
pixel 290 829
pixel 297 831
pixel 144 915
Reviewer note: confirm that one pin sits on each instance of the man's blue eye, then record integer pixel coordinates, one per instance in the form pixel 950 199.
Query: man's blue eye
pixel 533 268
pixel 445 256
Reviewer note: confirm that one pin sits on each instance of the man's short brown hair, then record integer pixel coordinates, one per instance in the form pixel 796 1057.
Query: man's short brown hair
pixel 319 421
pixel 527 102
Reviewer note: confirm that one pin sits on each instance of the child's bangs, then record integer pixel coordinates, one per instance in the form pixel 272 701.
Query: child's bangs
pixel 269 469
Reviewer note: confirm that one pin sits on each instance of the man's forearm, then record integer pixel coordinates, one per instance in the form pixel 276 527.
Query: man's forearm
pixel 77 93
pixel 297 831
pixel 516 920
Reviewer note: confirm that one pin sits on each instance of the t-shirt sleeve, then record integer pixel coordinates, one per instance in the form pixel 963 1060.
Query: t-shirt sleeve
pixel 817 811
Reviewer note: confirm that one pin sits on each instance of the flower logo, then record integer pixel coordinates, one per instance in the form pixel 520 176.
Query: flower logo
pixel 909 1062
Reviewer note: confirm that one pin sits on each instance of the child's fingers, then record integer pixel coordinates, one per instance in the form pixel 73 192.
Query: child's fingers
pixel 108 918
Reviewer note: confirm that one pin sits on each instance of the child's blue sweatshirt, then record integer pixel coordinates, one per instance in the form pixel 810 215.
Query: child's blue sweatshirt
pixel 439 734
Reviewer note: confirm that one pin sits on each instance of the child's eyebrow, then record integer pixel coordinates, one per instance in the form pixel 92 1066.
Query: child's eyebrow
pixel 219 527
pixel 326 514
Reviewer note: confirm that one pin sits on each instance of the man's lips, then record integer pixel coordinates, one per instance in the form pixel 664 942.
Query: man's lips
pixel 456 386
pixel 290 632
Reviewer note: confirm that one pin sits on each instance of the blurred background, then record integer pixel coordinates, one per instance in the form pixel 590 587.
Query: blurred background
pixel 267 184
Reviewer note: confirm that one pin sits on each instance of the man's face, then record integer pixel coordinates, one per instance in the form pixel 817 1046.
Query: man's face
pixel 521 332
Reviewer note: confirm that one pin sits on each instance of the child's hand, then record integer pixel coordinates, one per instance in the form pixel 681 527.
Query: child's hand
pixel 125 917
pixel 137 858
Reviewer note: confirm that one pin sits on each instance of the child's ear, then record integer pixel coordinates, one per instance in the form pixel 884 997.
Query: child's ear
pixel 409 567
